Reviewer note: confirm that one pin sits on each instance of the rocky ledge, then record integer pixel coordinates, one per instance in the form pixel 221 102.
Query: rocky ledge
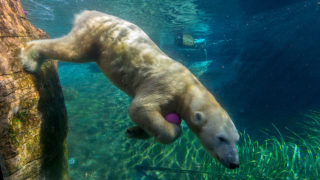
pixel 33 120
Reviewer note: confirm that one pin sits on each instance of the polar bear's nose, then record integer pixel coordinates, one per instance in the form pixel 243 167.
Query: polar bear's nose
pixel 233 165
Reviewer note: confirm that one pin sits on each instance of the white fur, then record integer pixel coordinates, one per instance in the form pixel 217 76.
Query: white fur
pixel 28 59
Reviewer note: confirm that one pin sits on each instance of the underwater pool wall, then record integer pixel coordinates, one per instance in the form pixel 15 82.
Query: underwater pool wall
pixel 33 119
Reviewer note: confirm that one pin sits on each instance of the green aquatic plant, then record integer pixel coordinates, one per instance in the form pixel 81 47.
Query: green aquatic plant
pixel 312 126
pixel 275 158
pixel 105 153
pixel 272 158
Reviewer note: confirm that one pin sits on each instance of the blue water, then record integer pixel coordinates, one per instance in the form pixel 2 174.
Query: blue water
pixel 260 60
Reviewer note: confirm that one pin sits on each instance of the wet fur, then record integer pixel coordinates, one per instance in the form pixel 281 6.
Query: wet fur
pixel 128 57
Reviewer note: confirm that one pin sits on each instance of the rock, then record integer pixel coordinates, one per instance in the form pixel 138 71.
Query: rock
pixel 33 120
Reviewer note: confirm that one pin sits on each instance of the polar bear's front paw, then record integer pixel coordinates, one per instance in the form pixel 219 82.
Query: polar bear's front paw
pixel 30 58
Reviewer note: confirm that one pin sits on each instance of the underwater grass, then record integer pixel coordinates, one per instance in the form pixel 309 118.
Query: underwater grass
pixel 99 120
pixel 275 158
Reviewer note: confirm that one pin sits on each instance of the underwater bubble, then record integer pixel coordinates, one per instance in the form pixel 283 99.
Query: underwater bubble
pixel 72 161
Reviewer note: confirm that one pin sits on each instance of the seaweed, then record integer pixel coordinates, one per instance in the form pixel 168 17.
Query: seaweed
pixel 108 154
pixel 273 158
pixel 276 158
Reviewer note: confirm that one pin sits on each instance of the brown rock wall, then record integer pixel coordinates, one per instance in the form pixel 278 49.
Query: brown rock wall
pixel 33 121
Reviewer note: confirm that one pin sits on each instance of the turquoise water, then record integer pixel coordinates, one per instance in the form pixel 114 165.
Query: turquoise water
pixel 98 118
pixel 259 60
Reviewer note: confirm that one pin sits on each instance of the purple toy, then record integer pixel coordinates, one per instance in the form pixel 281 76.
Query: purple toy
pixel 26 12
pixel 173 118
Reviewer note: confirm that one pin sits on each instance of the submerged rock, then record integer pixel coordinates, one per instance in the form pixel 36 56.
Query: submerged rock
pixel 33 120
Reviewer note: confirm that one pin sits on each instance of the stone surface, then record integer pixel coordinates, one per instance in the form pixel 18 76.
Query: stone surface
pixel 33 120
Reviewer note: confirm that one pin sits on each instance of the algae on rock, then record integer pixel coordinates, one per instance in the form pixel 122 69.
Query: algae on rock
pixel 33 120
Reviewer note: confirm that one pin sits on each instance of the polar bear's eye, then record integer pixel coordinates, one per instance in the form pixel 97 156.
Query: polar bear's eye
pixel 222 139
pixel 198 116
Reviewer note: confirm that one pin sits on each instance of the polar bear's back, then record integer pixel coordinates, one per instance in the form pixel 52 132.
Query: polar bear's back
pixel 125 53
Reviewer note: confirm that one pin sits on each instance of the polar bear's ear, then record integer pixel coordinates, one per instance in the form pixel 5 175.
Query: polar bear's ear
pixel 198 118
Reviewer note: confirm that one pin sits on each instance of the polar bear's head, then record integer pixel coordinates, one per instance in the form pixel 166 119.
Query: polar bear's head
pixel 214 128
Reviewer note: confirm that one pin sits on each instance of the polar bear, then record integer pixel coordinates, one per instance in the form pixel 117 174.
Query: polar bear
pixel 158 84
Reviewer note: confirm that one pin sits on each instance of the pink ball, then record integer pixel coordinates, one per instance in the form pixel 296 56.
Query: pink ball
pixel 173 118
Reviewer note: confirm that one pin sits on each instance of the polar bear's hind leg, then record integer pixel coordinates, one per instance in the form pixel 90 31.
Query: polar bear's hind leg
pixel 77 46
pixel 137 133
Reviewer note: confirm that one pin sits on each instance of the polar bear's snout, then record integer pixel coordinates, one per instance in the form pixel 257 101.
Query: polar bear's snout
pixel 225 152
pixel 222 149
pixel 228 156
pixel 220 137
pixel 225 148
